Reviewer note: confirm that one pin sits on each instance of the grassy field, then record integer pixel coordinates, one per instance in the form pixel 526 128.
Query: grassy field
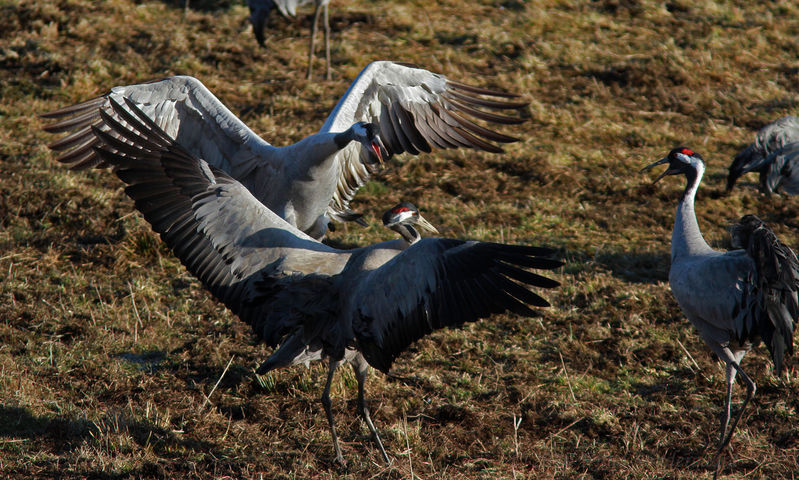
pixel 110 350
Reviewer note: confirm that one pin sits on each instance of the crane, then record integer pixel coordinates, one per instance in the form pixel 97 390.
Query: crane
pixel 312 181
pixel 735 299
pixel 259 14
pixel 774 154
pixel 309 300
pixel 402 218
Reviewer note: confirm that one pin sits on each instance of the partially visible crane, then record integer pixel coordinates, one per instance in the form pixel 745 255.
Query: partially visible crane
pixel 259 14
pixel 309 300
pixel 774 154
pixel 390 108
pixel 403 218
pixel 736 298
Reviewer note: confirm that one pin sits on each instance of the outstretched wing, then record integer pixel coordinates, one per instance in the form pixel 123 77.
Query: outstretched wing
pixel 416 110
pixel 439 283
pixel 775 286
pixel 243 253
pixel 181 106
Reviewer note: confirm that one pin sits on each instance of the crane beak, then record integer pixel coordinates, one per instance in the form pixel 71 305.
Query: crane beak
pixel 421 222
pixel 659 162
pixel 378 149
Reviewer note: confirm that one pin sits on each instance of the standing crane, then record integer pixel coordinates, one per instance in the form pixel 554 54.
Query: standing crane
pixel 309 300
pixel 738 298
pixel 774 154
pixel 259 14
pixel 389 109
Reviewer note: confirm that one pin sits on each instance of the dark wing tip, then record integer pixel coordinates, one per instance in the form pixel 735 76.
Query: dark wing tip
pixel 482 91
pixel 473 280
pixel 74 109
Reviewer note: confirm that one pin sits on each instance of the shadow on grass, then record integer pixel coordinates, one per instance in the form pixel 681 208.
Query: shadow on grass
pixel 201 5
pixel 63 433
pixel 68 432
pixel 637 267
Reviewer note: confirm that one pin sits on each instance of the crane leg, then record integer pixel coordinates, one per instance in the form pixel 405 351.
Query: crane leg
pixel 361 369
pixel 751 388
pixel 314 29
pixel 329 412
pixel 733 362
pixel 731 372
pixel 327 43
pixel 725 414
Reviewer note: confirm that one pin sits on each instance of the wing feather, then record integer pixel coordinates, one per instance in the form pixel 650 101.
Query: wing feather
pixel 782 170
pixel 439 283
pixel 218 230
pixel 180 105
pixel 774 308
pixel 416 110
pixel 759 155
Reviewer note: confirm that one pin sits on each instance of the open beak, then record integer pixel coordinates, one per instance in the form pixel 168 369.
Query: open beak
pixel 378 149
pixel 421 222
pixel 659 162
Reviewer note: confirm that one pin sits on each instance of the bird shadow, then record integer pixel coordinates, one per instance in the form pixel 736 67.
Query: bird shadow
pixel 636 267
pixel 199 376
pixel 64 433
pixel 61 432
pixel 200 5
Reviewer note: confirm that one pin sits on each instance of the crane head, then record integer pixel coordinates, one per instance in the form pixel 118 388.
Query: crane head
pixel 369 136
pixel 681 160
pixel 259 13
pixel 406 213
pixel 748 160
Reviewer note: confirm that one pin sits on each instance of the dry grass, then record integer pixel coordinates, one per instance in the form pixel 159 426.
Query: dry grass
pixel 109 349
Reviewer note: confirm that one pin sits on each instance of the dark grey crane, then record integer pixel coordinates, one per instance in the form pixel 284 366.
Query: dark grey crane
pixel 259 14
pixel 735 298
pixel 774 154
pixel 413 110
pixel 311 301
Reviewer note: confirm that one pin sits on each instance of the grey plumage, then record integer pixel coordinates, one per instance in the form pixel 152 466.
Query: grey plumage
pixel 774 287
pixel 774 155
pixel 259 14
pixel 314 180
pixel 309 300
pixel 733 298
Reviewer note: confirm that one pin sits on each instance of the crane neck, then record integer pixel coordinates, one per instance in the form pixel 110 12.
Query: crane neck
pixel 687 239
pixel 408 233
pixel 317 152
pixel 343 139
